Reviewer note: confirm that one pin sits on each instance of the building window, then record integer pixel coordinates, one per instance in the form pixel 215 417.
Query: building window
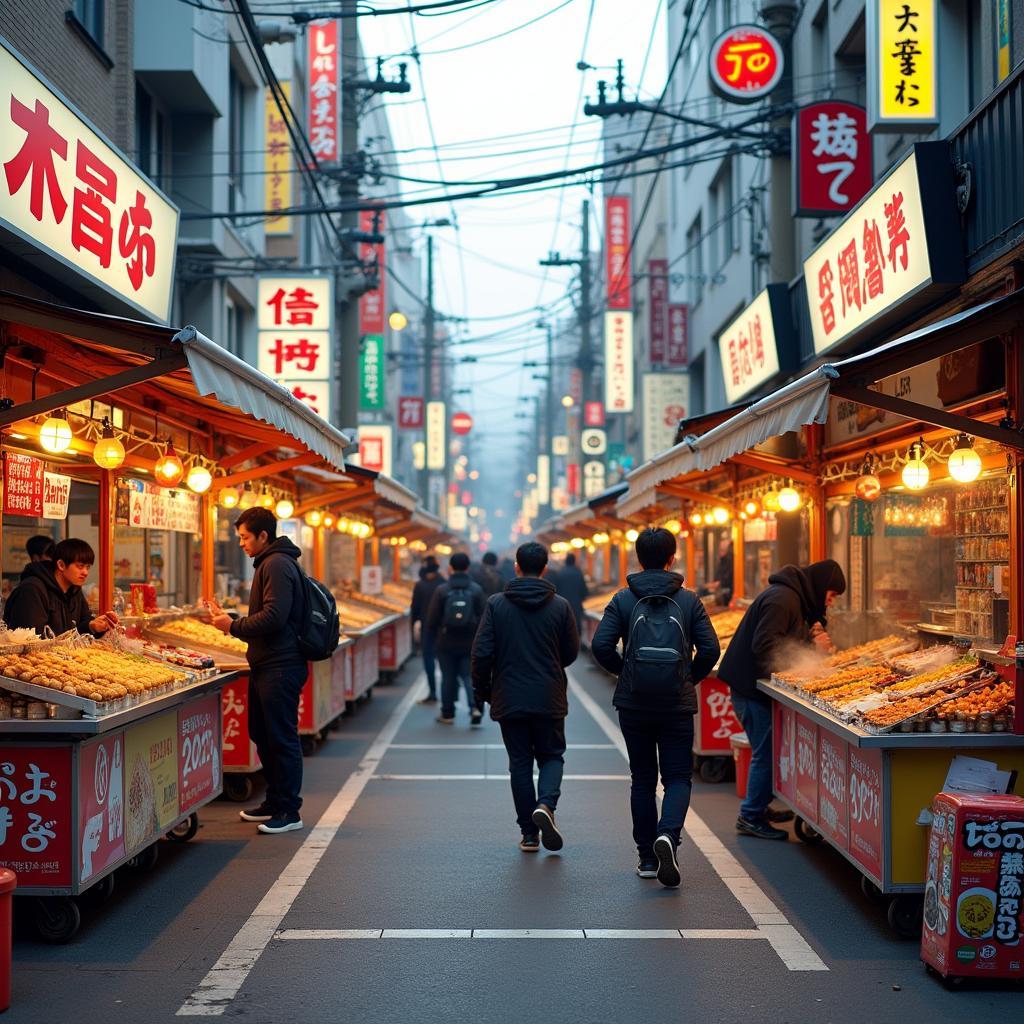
pixel 150 129
pixel 90 16
pixel 236 142
pixel 722 228
pixel 232 328
pixel 695 262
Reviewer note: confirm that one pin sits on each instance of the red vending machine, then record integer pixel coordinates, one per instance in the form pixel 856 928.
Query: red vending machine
pixel 973 890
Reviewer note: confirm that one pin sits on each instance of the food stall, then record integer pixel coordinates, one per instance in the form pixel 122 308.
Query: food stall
pixel 108 745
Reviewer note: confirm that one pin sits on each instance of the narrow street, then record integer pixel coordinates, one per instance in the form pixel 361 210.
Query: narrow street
pixel 410 901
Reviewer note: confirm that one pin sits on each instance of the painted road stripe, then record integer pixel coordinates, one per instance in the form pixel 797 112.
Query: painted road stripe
pixel 790 946
pixel 490 746
pixel 492 778
pixel 362 934
pixel 226 977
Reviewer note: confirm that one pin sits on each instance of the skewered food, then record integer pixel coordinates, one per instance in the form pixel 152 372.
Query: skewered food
pixel 874 649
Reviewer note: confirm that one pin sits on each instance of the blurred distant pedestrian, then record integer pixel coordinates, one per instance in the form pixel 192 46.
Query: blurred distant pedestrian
pixel 571 584
pixel 486 574
pixel 430 579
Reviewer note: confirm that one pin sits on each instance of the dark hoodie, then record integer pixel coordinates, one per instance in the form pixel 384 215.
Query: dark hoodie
pixel 448 641
pixel 38 601
pixel 527 638
pixel 781 614
pixel 275 607
pixel 615 625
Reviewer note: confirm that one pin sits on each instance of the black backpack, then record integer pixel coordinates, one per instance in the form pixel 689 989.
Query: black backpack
pixel 459 614
pixel 657 651
pixel 319 629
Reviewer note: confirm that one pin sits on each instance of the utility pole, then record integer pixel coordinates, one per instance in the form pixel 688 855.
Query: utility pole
pixel 428 363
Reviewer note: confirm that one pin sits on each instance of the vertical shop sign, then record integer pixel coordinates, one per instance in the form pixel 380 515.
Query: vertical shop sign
pixel 239 750
pixel 56 495
pixel 833 801
pixel 371 254
pixel 865 787
pixel 572 479
pixel 806 792
pixel 902 61
pixel 678 354
pixel 833 169
pixel 657 298
pixel 23 486
pixel 618 361
pixel 435 435
pixel 198 751
pixel 617 252
pixel 35 814
pixel 784 749
pixel 322 101
pixel 101 804
pixel 375 447
pixel 593 414
pixel 666 399
pixel 749 346
pixel 410 412
pixel 371 372
pixel 543 479
pixel 277 162
pixel 1003 16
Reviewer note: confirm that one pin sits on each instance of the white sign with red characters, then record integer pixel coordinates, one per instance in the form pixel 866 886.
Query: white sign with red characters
pixel 749 349
pixel 322 101
pixel 666 402
pixel 618 361
pixel 375 448
pixel 745 63
pixel 65 190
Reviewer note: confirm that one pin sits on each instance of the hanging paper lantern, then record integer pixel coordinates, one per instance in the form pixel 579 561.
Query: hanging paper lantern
pixel 55 434
pixel 867 487
pixel 674 526
pixel 964 464
pixel 266 500
pixel 199 478
pixel 284 509
pixel 789 499
pixel 328 520
pixel 108 452
pixel 169 468
pixel 696 519
pixel 751 508
pixel 228 497
pixel 720 514
pixel 248 499
pixel 770 501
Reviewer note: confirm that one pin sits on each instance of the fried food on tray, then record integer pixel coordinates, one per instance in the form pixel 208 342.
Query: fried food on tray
pixel 926 682
pixel 874 649
pixel 199 632
pixel 874 675
pixel 991 699
pixel 897 711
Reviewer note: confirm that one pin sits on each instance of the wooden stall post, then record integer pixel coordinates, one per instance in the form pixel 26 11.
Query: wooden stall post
pixel 607 575
pixel 1015 395
pixel 588 562
pixel 207 542
pixel 360 560
pixel 691 558
pixel 318 552
pixel 396 563
pixel 623 561
pixel 108 499
pixel 738 561
pixel 375 551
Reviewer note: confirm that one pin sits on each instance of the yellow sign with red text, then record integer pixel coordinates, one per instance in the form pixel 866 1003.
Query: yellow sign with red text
pixel 278 166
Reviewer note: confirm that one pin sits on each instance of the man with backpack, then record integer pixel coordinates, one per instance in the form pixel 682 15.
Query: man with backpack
pixel 454 615
pixel 422 594
pixel 669 645
pixel 290 623
pixel 526 640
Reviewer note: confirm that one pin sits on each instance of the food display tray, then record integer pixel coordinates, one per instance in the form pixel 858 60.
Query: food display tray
pixel 228 661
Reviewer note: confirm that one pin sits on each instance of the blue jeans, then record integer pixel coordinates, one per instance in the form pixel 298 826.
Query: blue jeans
pixel 658 740
pixel 527 739
pixel 455 669
pixel 428 648
pixel 756 717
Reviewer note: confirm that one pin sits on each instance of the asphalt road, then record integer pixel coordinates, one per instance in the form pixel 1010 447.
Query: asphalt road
pixel 407 900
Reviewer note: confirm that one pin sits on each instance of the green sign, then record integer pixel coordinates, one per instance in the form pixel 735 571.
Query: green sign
pixel 862 518
pixel 371 372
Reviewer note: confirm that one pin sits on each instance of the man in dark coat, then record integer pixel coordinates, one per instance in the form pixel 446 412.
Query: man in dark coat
pixel 454 615
pixel 525 642
pixel 486 574
pixel 788 615
pixel 657 727
pixel 277 669
pixel 430 579
pixel 571 584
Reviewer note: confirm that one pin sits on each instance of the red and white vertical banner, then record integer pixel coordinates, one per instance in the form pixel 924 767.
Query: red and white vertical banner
pixel 678 352
pixel 593 414
pixel 616 247
pixel 375 447
pixel 371 304
pixel 322 102
pixel 618 361
pixel 657 295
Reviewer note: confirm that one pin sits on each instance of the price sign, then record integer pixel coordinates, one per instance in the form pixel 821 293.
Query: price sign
pixel 784 741
pixel 806 767
pixel 833 813
pixel 198 751
pixel 865 789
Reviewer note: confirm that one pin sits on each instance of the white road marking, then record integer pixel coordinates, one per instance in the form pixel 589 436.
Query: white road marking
pixel 492 778
pixel 225 978
pixel 791 947
pixel 490 746
pixel 690 934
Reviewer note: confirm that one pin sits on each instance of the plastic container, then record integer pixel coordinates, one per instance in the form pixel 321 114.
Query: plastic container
pixel 741 754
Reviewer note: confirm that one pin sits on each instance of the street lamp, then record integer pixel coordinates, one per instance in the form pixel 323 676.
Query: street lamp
pixel 567 401
pixel 398 321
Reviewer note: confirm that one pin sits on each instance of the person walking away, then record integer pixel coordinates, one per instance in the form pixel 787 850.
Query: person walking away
pixel 277 669
pixel 454 615
pixel 669 645
pixel 486 574
pixel 526 641
pixel 722 585
pixel 507 571
pixel 789 614
pixel 571 584
pixel 430 579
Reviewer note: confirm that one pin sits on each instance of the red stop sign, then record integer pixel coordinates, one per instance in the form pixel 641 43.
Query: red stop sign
pixel 462 423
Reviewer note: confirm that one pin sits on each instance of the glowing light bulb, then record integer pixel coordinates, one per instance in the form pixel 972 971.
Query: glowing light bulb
pixel 789 499
pixel 109 452
pixel 964 463
pixel 169 468
pixel 720 515
pixel 631 536
pixel 313 518
pixel 266 500
pixel 55 433
pixel 770 501
pixel 199 479
pixel 228 497
pixel 696 519
pixel 284 509
pixel 328 520
pixel 915 473
pixel 752 508
pixel 398 321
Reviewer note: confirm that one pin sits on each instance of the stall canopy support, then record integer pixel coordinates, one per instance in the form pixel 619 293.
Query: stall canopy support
pixel 270 469
pixel 805 476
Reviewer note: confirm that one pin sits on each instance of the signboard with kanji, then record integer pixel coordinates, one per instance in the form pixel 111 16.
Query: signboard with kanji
pixel 435 435
pixel 666 398
pixel 902 63
pixel 294 355
pixel 833 168
pixel 749 347
pixel 410 412
pixel 678 335
pixel 68 193
pixel 618 361
pixel 593 414
pixel 657 298
pixel 287 303
pixel 745 63
pixel 900 245
pixel 322 100
pixel 371 254
pixel 371 372
pixel 23 486
pixel 617 251
pixel 277 162
pixel 375 448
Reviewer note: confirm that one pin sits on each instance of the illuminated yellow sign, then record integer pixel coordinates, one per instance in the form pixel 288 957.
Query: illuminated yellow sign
pixel 902 62
pixel 277 163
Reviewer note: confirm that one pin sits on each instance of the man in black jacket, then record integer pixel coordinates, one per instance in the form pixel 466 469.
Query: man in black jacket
pixel 571 584
pixel 50 594
pixel 430 579
pixel 486 574
pixel 524 644
pixel 657 726
pixel 788 615
pixel 454 615
pixel 277 670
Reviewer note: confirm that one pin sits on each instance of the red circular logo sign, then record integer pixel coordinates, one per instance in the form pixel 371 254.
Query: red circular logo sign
pixel 745 63
pixel 462 423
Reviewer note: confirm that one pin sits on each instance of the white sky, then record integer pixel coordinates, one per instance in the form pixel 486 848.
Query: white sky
pixel 524 82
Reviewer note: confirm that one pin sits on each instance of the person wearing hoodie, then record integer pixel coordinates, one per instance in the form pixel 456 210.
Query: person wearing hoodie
pixel 453 617
pixel 571 584
pixel 655 695
pixel 50 594
pixel 277 670
pixel 430 579
pixel 789 614
pixel 525 642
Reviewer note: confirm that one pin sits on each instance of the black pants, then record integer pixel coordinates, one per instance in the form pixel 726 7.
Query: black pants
pixel 656 738
pixel 428 648
pixel 530 738
pixel 456 671
pixel 274 728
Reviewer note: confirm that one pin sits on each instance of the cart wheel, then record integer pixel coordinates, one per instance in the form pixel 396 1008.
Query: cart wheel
pixel 321 736
pixel 335 726
pixel 185 830
pixel 144 860
pixel 57 919
pixel 238 788
pixel 714 769
pixel 905 915
pixel 104 888
pixel 308 745
pixel 871 892
pixel 805 833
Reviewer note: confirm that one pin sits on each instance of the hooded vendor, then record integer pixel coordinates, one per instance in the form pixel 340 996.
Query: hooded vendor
pixel 50 594
pixel 792 612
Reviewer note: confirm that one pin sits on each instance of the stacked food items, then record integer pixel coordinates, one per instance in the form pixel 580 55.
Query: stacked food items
pixel 726 623
pixel 197 632
pixel 178 656
pixel 355 616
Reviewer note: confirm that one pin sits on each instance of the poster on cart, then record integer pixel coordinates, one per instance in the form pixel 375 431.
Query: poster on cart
pixel 101 804
pixel 151 779
pixel 865 788
pixel 199 761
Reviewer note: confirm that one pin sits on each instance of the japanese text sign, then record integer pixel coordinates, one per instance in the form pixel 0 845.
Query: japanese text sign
pixel 277 163
pixel 294 355
pixel 101 803
pixel 151 779
pixel 678 334
pixel 23 486
pixel 435 435
pixel 749 346
pixel 901 239
pixel 833 169
pixel 371 303
pixel 56 495
pixel 593 414
pixel 902 61
pixel 198 751
pixel 716 717
pixel 410 412
pixel 375 447
pixel 371 372
pixel 239 750
pixel 666 402
pixel 294 304
pixel 618 362
pixel 151 507
pixel 617 245
pixel 543 479
pixel 657 297
pixel 323 62
pixel 745 64
pixel 66 191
